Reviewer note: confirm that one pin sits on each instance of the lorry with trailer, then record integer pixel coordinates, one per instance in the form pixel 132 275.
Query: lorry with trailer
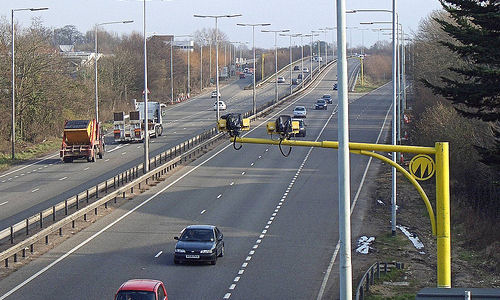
pixel 155 118
pixel 122 130
pixel 82 139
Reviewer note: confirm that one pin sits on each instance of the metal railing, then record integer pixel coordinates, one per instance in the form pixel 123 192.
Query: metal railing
pixel 87 201
pixel 373 273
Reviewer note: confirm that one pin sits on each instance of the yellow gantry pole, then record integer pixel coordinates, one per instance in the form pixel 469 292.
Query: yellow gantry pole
pixel 443 216
pixel 440 224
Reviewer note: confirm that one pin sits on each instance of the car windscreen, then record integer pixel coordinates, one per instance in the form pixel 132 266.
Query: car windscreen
pixel 320 102
pixel 197 235
pixel 300 108
pixel 327 96
pixel 135 295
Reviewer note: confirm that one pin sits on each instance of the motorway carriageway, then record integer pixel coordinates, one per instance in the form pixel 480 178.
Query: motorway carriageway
pixel 278 216
pixel 27 190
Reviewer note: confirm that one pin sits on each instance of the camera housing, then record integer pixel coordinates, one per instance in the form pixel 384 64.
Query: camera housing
pixel 233 123
pixel 283 126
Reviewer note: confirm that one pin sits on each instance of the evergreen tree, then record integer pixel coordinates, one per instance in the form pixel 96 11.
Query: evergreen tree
pixel 474 86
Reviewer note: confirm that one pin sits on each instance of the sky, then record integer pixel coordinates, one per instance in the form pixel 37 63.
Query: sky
pixel 176 16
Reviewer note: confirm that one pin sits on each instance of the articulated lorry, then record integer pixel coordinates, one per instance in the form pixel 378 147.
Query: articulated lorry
pixel 82 139
pixel 130 128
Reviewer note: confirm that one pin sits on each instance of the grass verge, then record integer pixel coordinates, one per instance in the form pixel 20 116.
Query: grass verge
pixel 29 152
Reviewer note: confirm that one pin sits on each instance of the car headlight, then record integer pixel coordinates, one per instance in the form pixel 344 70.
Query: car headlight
pixel 206 251
pixel 180 250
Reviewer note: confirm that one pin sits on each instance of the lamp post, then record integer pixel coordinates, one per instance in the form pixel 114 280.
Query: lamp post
pixel 188 63
pixel 276 57
pixel 394 102
pixel 216 17
pixel 290 51
pixel 254 104
pixel 325 30
pixel 13 71
pixel 146 122
pixel 201 65
pixel 95 63
pixel 311 53
pixel 343 159
pixel 319 48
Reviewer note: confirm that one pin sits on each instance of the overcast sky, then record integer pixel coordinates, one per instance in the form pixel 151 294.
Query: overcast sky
pixel 176 16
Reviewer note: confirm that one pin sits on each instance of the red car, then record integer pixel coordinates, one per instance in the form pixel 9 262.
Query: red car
pixel 142 289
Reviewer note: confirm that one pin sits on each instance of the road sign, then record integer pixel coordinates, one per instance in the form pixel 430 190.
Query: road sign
pixel 422 167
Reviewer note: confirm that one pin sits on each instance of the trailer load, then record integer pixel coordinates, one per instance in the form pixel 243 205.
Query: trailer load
pixel 82 139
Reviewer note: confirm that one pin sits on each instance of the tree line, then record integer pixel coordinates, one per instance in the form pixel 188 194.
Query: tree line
pixel 456 72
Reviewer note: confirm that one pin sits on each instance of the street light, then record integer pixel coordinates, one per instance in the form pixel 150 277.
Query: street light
pixel 254 104
pixel 188 65
pixel 394 101
pixel 276 57
pixel 95 62
pixel 13 137
pixel 290 51
pixel 319 48
pixel 311 53
pixel 216 17
pixel 325 30
pixel 146 122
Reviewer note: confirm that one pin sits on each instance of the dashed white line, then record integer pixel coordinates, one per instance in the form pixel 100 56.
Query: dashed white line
pixel 232 286
pixel 243 173
pixel 251 164
pixel 22 174
pixel 232 183
pixel 35 190
pixel 236 279
pixel 227 295
pixel 248 258
pixel 220 195
pixel 86 168
pixel 63 178
pixel 123 153
pixel 3 203
pixel 107 159
pixel 244 265
pixel 158 254
pixel 202 212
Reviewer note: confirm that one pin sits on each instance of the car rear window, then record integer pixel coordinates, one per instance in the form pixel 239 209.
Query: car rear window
pixel 300 108
pixel 135 295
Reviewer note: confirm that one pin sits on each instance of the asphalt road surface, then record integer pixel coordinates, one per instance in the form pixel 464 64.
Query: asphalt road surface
pixel 28 189
pixel 278 216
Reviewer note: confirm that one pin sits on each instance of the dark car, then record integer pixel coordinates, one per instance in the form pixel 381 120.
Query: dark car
pixel 334 86
pixel 302 127
pixel 320 104
pixel 199 243
pixel 147 289
pixel 328 98
pixel 296 68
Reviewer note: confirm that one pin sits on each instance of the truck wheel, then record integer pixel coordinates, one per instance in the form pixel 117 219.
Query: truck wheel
pixel 92 157
pixel 101 152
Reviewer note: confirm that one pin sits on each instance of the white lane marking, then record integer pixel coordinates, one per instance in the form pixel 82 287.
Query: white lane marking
pixel 114 149
pixel 243 173
pixel 158 254
pixel 232 286
pixel 232 183
pixel 244 265
pixel 251 252
pixel 63 178
pixel 248 258
pixel 22 174
pixel 35 190
pixel 16 176
pixel 43 166
pixel 337 248
pixel 92 237
pixel 202 212
pixel 251 164
pixel 4 180
pixel 236 279
pixel 255 246
pixel 139 147
pixel 220 195
pixel 107 159
pixel 123 153
pixel 3 203
pixel 27 166
pixel 86 168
